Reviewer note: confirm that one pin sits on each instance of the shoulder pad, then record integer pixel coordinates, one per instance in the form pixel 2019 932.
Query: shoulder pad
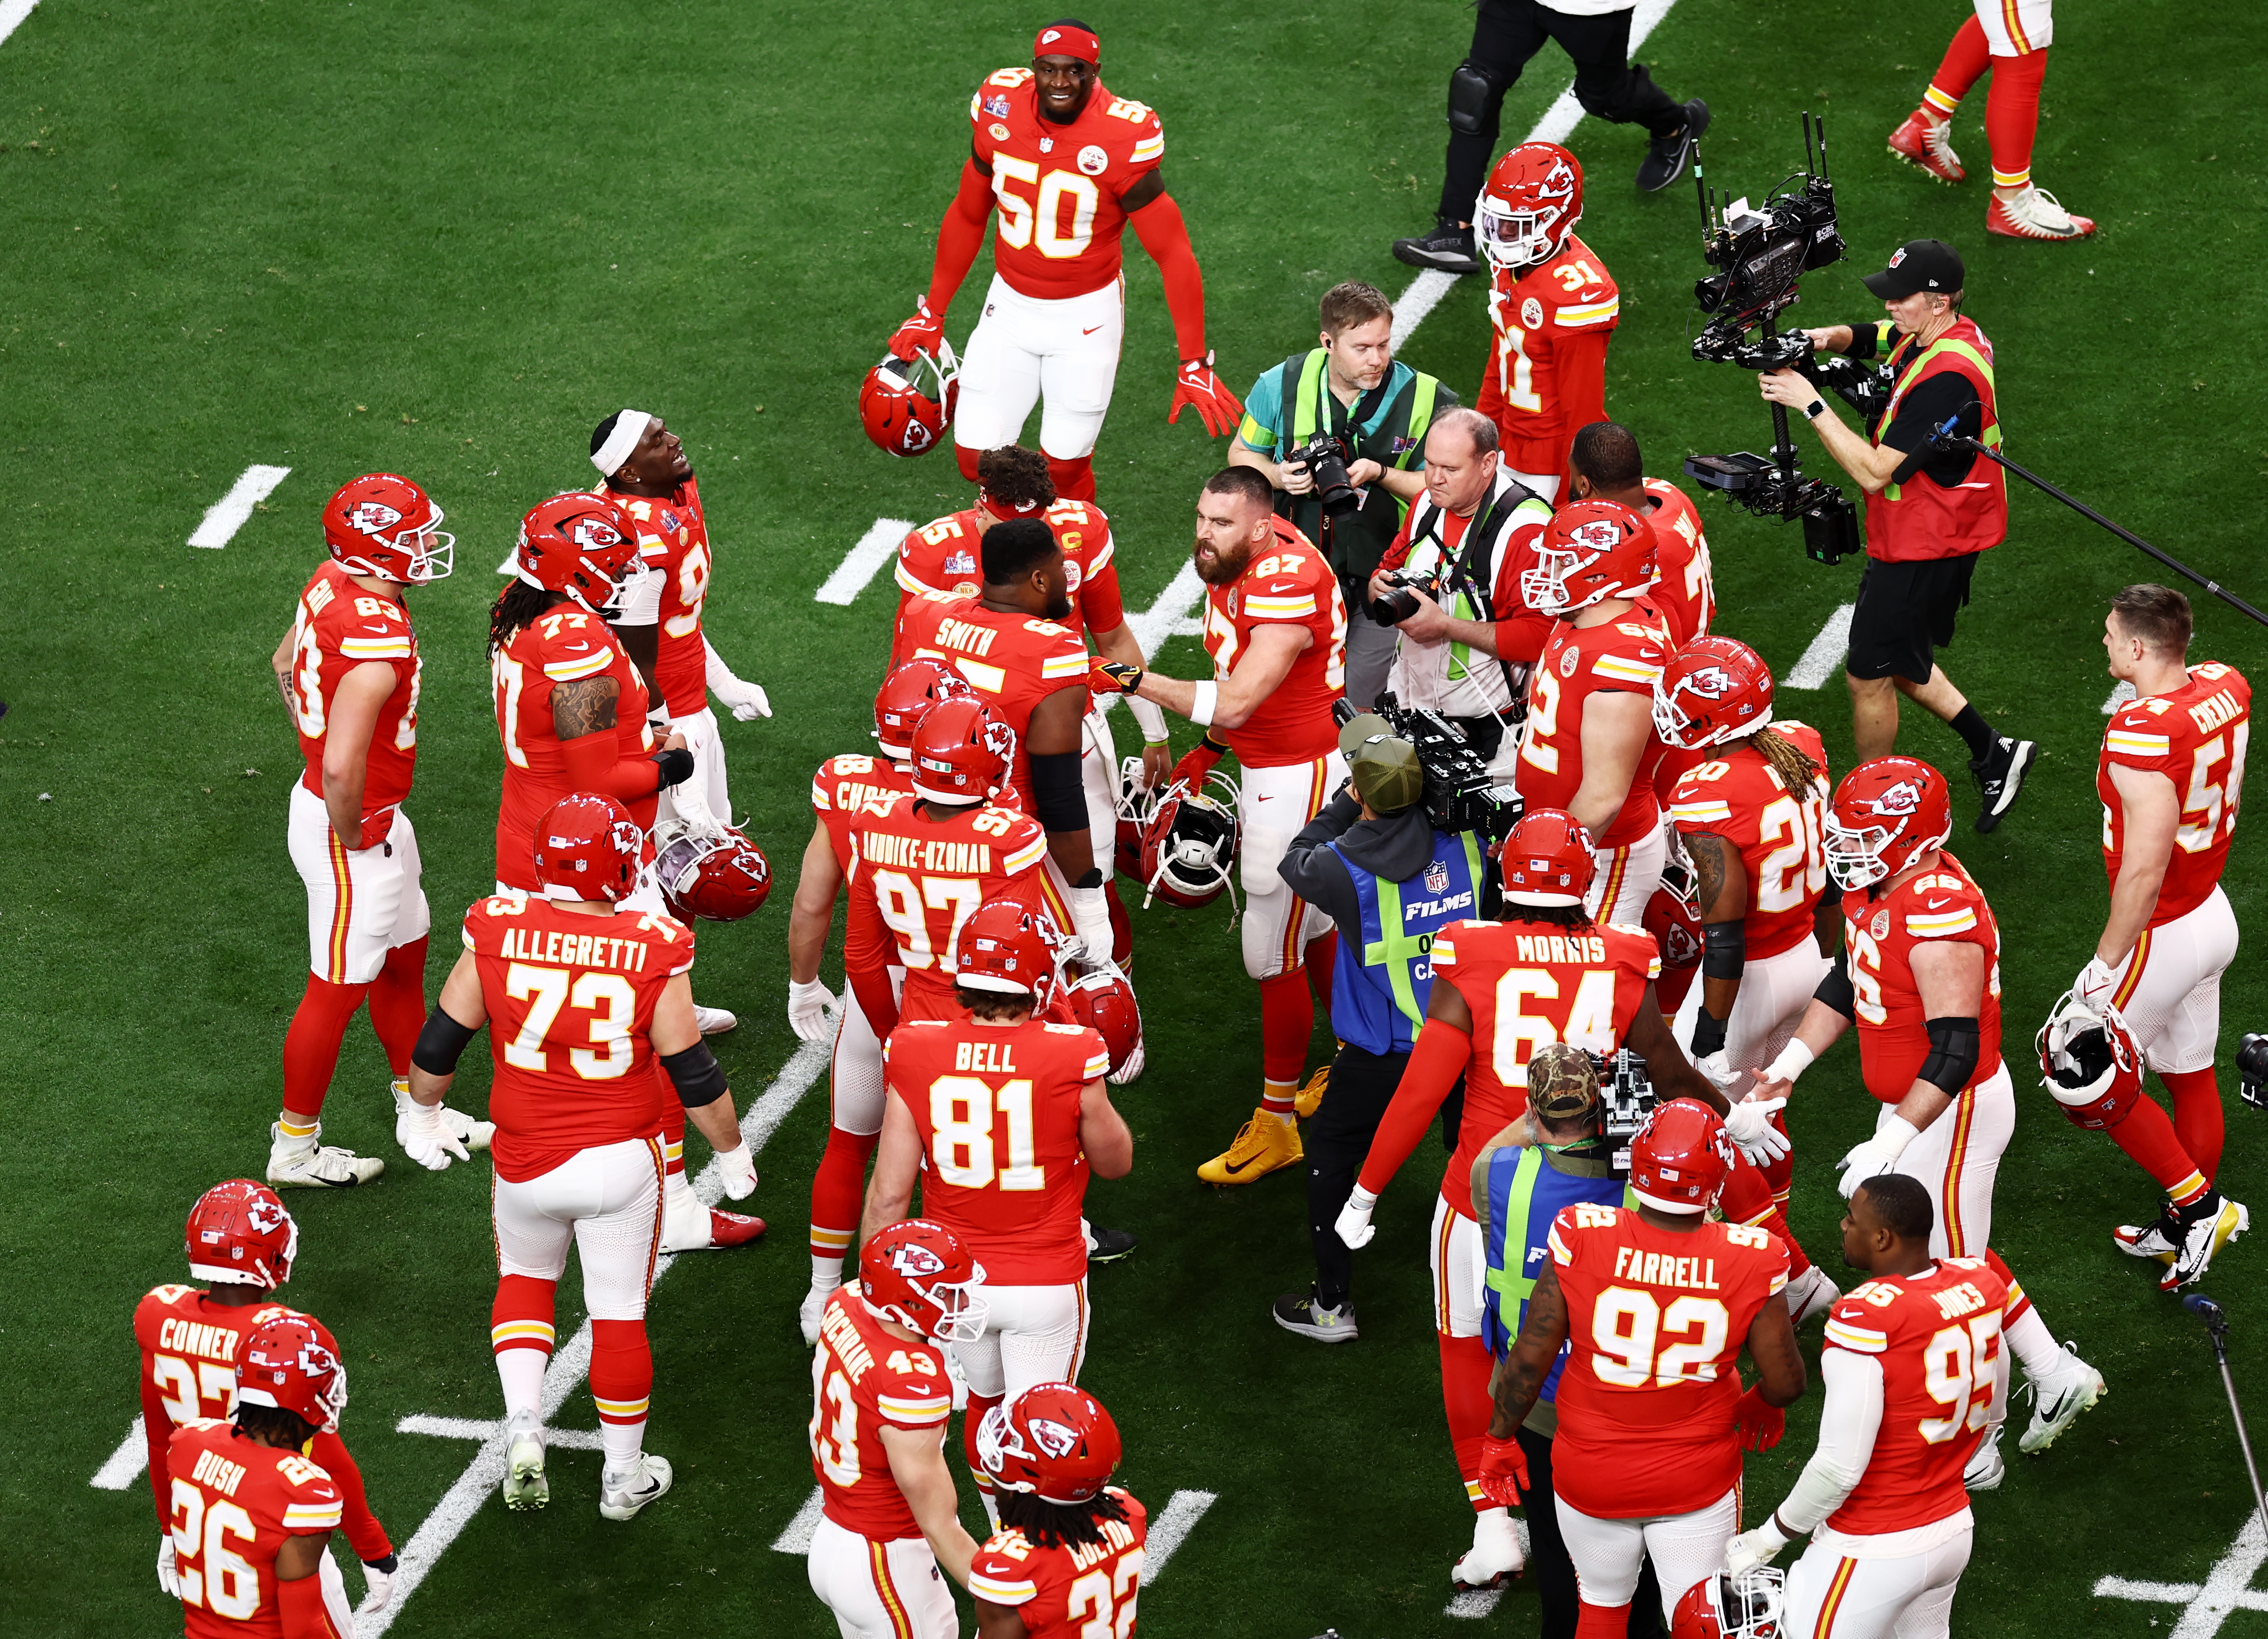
pixel 1064 1030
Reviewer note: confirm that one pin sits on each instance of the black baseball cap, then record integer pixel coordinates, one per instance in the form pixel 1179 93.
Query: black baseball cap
pixel 1917 265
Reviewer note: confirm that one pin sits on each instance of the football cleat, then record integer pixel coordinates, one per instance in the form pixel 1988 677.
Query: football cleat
pixel 1812 1292
pixel 1495 1557
pixel 309 1164
pixel 1263 1144
pixel 728 1230
pixel 808 1313
pixel 1985 1470
pixel 1309 1099
pixel 1299 1312
pixel 474 1135
pixel 714 1021
pixel 2000 776
pixel 1927 144
pixel 2159 1239
pixel 525 1484
pixel 2057 1400
pixel 2207 1228
pixel 1107 1246
pixel 621 1496
pixel 2035 214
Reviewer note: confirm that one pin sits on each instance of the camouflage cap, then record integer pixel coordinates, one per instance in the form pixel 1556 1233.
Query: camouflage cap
pixel 1562 1085
pixel 1384 766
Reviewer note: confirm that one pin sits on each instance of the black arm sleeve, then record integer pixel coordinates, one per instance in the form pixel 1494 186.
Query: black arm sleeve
pixel 696 1073
pixel 1058 800
pixel 1723 949
pixel 441 1043
pixel 1835 989
pixel 1954 1045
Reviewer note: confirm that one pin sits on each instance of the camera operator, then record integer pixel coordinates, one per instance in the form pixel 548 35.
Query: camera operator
pixel 1338 432
pixel 1449 585
pixel 1389 878
pixel 1929 513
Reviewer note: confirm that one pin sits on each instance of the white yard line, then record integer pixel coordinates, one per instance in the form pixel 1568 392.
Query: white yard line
pixel 226 515
pixel 875 548
pixel 796 1537
pixel 2120 696
pixel 1170 1529
pixel 2227 1587
pixel 125 1465
pixel 13 12
pixel 1824 658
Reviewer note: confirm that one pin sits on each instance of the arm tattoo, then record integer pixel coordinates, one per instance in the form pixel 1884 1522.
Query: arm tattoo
pixel 1541 1333
pixel 583 707
pixel 1706 849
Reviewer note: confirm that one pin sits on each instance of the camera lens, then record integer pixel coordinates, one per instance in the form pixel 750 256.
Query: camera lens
pixel 1392 609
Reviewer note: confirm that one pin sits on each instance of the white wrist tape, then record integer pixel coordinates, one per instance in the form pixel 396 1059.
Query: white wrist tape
pixel 1202 708
pixel 1150 716
pixel 1793 1060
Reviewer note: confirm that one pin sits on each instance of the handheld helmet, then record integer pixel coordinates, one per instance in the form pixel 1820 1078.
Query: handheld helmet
pixel 906 404
pixel 2090 1062
pixel 713 876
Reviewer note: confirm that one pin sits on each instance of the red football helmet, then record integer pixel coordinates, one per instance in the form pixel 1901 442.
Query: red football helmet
pixel 239 1235
pixel 962 752
pixel 1590 550
pixel 1726 1605
pixel 1885 812
pixel 285 1363
pixel 383 524
pixel 714 876
pixel 2090 1063
pixel 1188 844
pixel 579 543
pixel 1530 204
pixel 905 698
pixel 1102 999
pixel 1676 925
pixel 1054 1440
pixel 1546 859
pixel 1008 947
pixel 918 1273
pixel 907 403
pixel 1681 1156
pixel 588 847
pixel 1713 689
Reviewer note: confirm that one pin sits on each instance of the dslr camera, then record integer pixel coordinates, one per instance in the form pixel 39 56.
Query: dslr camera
pixel 1397 605
pixel 1461 794
pixel 1325 458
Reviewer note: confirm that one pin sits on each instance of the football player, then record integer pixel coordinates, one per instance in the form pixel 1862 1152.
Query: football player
pixel 587 997
pixel 1909 1371
pixel 572 710
pixel 242 1243
pixel 1568 978
pixel 1553 307
pixel 1605 466
pixel 1069 165
pixel 1002 1115
pixel 1652 1418
pixel 2171 776
pixel 1919 976
pixel 879 1401
pixel 349 672
pixel 1068 1556
pixel 1275 626
pixel 1588 745
pixel 250 1516
pixel 646 476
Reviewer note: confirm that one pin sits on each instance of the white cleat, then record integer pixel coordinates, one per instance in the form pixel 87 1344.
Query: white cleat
pixel 1810 1293
pixel 1985 1470
pixel 715 1021
pixel 620 1496
pixel 2058 1400
pixel 1495 1558
pixel 806 1315
pixel 2035 214
pixel 474 1135
pixel 525 1485
pixel 2206 1229
pixel 307 1164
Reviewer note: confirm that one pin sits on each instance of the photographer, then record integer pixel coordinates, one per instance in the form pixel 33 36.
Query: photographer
pixel 1929 513
pixel 1449 585
pixel 1349 403
pixel 1375 864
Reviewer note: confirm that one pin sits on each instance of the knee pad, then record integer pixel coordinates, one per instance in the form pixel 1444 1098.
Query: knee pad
pixel 1474 98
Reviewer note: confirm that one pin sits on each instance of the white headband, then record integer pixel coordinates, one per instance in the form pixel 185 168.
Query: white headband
pixel 629 427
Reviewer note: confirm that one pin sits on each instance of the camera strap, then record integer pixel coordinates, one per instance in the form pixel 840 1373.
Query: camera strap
pixel 1469 572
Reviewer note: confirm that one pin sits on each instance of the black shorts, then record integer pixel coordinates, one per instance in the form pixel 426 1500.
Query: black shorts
pixel 1905 612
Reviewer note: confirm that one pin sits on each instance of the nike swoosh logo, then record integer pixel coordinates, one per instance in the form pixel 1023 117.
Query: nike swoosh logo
pixel 1235 1167
pixel 1090 330
pixel 1261 796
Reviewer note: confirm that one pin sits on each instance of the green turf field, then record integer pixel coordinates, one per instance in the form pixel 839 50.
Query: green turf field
pixel 446 240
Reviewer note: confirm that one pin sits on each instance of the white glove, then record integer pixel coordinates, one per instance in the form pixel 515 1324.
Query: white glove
pixel 165 1567
pixel 1090 920
pixel 1718 1067
pixel 2093 987
pixel 378 1588
pixel 1752 1548
pixel 1749 1126
pixel 1353 1225
pixel 807 1006
pixel 737 1167
pixel 420 1130
pixel 1878 1155
pixel 747 701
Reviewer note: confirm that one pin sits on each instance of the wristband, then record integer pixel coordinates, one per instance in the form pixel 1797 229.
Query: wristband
pixel 1793 1060
pixel 1200 709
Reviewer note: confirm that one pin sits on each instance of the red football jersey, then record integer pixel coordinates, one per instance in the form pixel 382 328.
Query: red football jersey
pixel 338 626
pixel 1057 186
pixel 924 871
pixel 1880 934
pixel 1656 1319
pixel 1541 319
pixel 1738 796
pixel 563 646
pixel 946 557
pixel 571 1000
pixel 1013 661
pixel 1067 1592
pixel 1625 656
pixel 1683 589
pixel 232 1504
pixel 673 542
pixel 1291 584
pixel 1529 985
pixel 849 789
pixel 864 1380
pixel 2195 737
pixel 998 1111
pixel 1937 1336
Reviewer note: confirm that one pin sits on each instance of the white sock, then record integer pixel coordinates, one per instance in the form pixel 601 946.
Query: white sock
pixel 992 1509
pixel 2002 1370
pixel 2033 1344
pixel 521 1370
pixel 826 1273
pixel 623 1443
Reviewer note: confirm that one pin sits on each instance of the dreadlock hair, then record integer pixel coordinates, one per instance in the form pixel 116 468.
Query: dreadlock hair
pixel 1057 1525
pixel 1797 772
pixel 274 1424
pixel 517 605
pixel 1573 918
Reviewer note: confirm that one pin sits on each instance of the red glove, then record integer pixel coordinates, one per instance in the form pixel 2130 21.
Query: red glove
pixel 376 828
pixel 1191 770
pixel 1197 385
pixel 1112 677
pixel 1504 1471
pixel 919 335
pixel 1758 1425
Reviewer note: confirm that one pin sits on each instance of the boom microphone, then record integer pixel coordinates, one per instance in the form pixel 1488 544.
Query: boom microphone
pixel 2204 1309
pixel 2216 1322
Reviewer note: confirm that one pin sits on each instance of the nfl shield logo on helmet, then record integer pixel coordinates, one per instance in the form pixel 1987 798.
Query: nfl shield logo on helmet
pixel 1437 877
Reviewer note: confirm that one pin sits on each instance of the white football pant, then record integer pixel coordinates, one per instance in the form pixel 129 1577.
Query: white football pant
pixel 608 1201
pixel 1684 1549
pixel 1775 991
pixel 1459 1259
pixel 1910 1597
pixel 1032 1334
pixel 855 1088
pixel 1625 879
pixel 1061 354
pixel 2168 989
pixel 2012 28
pixel 1544 484
pixel 1273 807
pixel 707 745
pixel 361 902
pixel 336 1605
pixel 1957 1158
pixel 879 1590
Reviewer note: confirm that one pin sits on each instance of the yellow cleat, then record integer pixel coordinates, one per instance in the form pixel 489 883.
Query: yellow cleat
pixel 1263 1144
pixel 1309 1099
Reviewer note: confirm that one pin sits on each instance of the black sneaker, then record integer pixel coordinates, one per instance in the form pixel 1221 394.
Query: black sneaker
pixel 1666 156
pixel 1299 1312
pixel 1109 1245
pixel 1448 249
pixel 2000 776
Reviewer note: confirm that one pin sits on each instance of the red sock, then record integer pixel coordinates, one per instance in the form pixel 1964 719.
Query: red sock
pixel 966 458
pixel 672 1141
pixel 1465 1365
pixel 972 1420
pixel 1322 960
pixel 521 1317
pixel 1122 928
pixel 2198 1116
pixel 2012 116
pixel 1779 1172
pixel 622 1386
pixel 1607 1622
pixel 1965 62
pixel 2147 1135
pixel 397 1003
pixel 1074 478
pixel 1287 1019
pixel 2019 1305
pixel 311 1046
pixel 836 1191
